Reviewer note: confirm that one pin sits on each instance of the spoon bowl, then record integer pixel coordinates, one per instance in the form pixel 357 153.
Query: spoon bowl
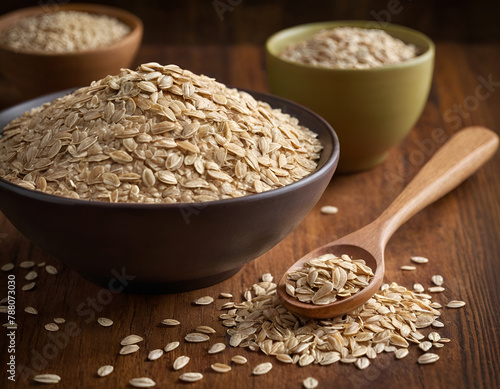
pixel 344 305
pixel 459 158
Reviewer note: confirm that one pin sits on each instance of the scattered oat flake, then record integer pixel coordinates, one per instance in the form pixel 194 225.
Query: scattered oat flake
pixel 105 370
pixel 437 280
pixel 262 368
pixel 131 339
pixel 129 349
pixel 434 336
pixel 51 327
pixel 8 266
pixel 329 210
pixel 239 359
pixel 408 268
pixel 59 320
pixel 155 354
pixel 47 378
pixel 205 300
pixel 425 345
pixel 216 348
pixel 225 295
pixel 362 363
pixel 401 353
pixel 205 330
pixel 419 288
pixel 455 304
pixel 437 324
pixel 310 383
pixel 436 289
pixel 196 337
pixel 171 346
pixel 27 264
pixel 418 259
pixel 180 362
pixel 29 286
pixel 31 276
pixel 31 310
pixel 427 358
pixel 221 367
pixel 170 322
pixel 105 322
pixel 191 377
pixel 51 269
pixel 142 382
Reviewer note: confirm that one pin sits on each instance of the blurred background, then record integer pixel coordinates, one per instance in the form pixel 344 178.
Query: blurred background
pixel 252 21
pixel 185 32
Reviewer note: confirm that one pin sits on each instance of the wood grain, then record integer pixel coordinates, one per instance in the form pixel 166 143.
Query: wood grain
pixel 458 233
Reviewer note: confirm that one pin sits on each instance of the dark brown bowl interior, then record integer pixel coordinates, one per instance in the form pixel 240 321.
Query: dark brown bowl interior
pixel 167 247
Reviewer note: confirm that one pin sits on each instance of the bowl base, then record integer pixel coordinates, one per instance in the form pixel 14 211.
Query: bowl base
pixel 167 287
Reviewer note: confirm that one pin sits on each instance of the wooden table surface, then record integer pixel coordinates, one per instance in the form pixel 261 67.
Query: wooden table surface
pixel 460 234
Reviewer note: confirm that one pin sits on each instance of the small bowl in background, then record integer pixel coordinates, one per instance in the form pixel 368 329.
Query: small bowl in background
pixel 167 247
pixel 371 110
pixel 35 74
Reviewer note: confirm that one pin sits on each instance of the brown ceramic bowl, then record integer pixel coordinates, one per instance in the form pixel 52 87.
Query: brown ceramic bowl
pixel 167 247
pixel 35 74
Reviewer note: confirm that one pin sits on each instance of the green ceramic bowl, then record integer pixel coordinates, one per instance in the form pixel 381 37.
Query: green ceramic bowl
pixel 370 109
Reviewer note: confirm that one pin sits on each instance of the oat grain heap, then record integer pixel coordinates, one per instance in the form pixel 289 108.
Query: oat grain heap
pixel 325 279
pixel 350 48
pixel 390 322
pixel 159 134
pixel 64 32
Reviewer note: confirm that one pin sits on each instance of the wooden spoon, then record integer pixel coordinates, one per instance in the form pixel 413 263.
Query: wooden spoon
pixel 459 158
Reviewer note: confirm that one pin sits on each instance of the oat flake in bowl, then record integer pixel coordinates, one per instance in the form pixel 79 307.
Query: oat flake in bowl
pixel 64 32
pixel 350 48
pixel 159 134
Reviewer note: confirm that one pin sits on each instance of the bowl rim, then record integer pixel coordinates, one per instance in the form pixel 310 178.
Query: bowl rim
pixel 134 22
pixel 427 54
pixel 329 164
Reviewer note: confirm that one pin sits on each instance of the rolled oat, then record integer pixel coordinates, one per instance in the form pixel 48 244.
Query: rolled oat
pixel 160 134
pixel 349 48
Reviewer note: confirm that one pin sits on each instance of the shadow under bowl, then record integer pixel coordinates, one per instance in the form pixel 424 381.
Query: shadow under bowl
pixel 162 248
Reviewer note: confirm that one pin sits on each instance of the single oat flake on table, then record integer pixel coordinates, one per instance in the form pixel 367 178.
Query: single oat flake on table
pixel 157 134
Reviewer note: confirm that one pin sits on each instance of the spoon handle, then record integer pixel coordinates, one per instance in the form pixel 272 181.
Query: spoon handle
pixel 456 160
